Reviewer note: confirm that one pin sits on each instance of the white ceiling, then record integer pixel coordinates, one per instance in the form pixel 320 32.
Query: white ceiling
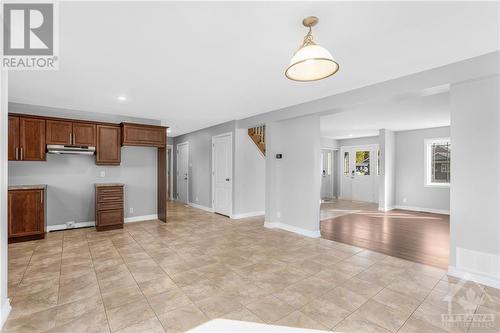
pixel 193 65
pixel 396 115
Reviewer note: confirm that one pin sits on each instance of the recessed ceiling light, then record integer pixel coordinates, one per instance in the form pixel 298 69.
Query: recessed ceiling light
pixel 122 98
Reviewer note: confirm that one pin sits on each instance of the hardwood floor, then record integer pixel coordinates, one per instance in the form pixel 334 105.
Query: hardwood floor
pixel 416 236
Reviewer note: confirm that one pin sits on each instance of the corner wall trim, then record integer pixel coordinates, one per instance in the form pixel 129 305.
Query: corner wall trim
pixel 421 209
pixel 297 230
pixel 249 214
pixel 205 208
pixel 87 224
pixel 4 311
pixel 463 274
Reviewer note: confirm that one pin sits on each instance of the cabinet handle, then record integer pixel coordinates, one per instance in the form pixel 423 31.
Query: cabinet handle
pixel 17 153
pixel 69 138
pixel 21 153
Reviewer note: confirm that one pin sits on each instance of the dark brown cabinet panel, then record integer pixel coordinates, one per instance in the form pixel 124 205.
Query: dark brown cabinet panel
pixel 13 138
pixel 59 132
pixel 143 135
pixel 108 149
pixel 26 214
pixel 109 206
pixel 31 139
pixel 84 134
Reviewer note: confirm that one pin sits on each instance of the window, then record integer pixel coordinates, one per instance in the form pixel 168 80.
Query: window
pixel 329 160
pixel 363 163
pixel 437 162
pixel 346 163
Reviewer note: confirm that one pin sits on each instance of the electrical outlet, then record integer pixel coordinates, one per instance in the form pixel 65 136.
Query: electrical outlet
pixel 70 224
pixel 131 210
pixel 103 174
pixel 405 200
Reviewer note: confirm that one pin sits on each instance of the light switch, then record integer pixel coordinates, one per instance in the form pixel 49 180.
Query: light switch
pixel 103 174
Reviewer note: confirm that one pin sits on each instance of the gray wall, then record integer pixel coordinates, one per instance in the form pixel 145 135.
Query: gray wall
pixel 200 162
pixel 410 170
pixel 475 188
pixel 71 178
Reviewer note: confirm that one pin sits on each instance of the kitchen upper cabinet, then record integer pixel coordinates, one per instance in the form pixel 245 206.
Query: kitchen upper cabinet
pixel 143 135
pixel 26 139
pixel 59 132
pixel 84 134
pixel 26 214
pixel 13 139
pixel 108 149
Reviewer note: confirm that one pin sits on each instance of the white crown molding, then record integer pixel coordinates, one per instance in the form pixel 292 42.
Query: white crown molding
pixel 297 230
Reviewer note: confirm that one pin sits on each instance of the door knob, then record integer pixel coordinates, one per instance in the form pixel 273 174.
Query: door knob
pixel 227 179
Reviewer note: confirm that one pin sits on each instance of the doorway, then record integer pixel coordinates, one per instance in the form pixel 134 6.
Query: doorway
pixel 327 175
pixel 183 172
pixel 360 171
pixel 169 173
pixel 222 174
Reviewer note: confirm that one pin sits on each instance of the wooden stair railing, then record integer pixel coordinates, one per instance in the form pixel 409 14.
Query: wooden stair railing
pixel 258 136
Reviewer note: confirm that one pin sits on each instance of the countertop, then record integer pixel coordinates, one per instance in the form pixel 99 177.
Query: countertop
pixel 28 187
pixel 108 184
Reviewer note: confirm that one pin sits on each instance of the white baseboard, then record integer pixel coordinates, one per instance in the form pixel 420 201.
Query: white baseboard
pixel 205 208
pixel 246 215
pixel 141 218
pixel 4 311
pixel 421 209
pixel 297 230
pixel 485 280
pixel 58 227
pixel 382 209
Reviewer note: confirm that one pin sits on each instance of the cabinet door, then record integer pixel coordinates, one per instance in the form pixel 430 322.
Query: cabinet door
pixel 32 139
pixel 84 134
pixel 25 214
pixel 59 132
pixel 13 138
pixel 108 150
pixel 109 217
pixel 143 135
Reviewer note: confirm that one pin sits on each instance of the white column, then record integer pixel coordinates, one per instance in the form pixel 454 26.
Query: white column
pixel 293 182
pixel 4 301
pixel 387 179
pixel 475 180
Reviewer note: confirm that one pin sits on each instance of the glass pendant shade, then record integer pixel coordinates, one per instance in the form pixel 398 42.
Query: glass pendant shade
pixel 310 63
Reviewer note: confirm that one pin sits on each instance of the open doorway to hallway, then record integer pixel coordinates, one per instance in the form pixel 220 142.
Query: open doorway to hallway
pixel 393 174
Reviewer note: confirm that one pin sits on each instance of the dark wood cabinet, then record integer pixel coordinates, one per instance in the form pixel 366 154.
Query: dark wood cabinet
pixel 26 214
pixel 108 149
pixel 109 206
pixel 26 139
pixel 84 134
pixel 13 139
pixel 60 132
pixel 143 135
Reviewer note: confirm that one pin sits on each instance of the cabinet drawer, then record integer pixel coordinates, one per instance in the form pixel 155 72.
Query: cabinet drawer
pixel 108 197
pixel 109 217
pixel 109 205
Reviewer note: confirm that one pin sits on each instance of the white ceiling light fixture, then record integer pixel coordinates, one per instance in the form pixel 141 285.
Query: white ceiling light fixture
pixel 311 62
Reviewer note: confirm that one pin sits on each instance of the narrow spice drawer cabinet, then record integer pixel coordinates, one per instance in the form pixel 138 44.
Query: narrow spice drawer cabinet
pixel 109 206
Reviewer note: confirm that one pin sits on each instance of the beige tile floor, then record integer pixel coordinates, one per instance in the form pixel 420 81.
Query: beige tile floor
pixel 155 277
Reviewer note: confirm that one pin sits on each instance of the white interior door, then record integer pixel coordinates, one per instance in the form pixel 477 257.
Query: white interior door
pixel 327 173
pixel 360 173
pixel 183 172
pixel 222 173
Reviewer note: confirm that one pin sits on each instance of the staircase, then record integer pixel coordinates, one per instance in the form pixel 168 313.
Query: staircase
pixel 258 136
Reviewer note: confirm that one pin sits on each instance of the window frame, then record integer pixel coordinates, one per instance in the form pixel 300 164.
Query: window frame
pixel 427 162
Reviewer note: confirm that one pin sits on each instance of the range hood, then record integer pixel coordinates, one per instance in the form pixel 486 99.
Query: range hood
pixel 74 150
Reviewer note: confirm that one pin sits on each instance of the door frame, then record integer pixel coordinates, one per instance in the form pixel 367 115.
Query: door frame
pixel 170 167
pixel 177 170
pixel 333 150
pixel 230 134
pixel 341 164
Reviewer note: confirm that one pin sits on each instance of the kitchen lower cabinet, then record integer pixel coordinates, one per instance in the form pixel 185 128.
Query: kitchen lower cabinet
pixel 109 206
pixel 26 213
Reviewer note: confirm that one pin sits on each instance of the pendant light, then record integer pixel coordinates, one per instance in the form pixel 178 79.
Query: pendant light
pixel 311 62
